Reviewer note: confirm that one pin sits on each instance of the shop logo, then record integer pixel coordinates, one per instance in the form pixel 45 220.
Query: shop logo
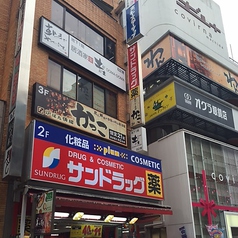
pixel 187 98
pixel 51 158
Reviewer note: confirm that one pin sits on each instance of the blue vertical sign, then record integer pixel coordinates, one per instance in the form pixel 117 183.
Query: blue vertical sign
pixel 133 28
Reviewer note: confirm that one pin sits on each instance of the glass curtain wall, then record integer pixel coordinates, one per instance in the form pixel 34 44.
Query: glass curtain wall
pixel 220 165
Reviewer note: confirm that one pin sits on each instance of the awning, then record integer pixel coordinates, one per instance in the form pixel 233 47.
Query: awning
pixel 113 206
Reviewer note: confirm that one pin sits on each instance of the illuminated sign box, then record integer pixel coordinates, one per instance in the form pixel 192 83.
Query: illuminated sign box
pixel 176 95
pixel 133 26
pixel 64 157
pixel 50 104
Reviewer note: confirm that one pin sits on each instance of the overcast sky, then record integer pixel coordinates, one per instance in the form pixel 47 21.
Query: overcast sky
pixel 229 12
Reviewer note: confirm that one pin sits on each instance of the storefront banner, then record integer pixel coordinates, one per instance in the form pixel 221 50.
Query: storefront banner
pixel 52 105
pixel 156 57
pixel 204 65
pixel 86 230
pixel 60 41
pixel 64 157
pixel 182 97
pixel 203 106
pixel 44 212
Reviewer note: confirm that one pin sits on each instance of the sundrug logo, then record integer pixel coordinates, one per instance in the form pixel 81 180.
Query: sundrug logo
pixel 51 158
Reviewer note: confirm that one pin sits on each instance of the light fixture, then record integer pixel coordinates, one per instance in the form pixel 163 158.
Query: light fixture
pixel 78 215
pixel 119 219
pixel 91 217
pixel 133 220
pixel 61 214
pixel 108 218
pixel 112 218
pixel 81 215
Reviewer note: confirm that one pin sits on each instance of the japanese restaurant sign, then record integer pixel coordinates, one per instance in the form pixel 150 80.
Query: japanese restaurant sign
pixel 61 42
pixel 156 56
pixel 68 158
pixel 50 104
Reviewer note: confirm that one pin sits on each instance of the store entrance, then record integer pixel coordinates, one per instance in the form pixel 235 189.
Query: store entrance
pixel 63 228
pixel 80 217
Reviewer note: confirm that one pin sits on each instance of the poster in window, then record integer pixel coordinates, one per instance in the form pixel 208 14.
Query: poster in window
pixel 44 212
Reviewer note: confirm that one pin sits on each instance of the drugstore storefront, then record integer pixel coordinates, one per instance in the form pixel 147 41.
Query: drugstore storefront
pixel 77 186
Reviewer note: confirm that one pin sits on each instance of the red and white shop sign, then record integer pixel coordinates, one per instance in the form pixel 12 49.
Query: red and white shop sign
pixel 60 164
pixel 133 66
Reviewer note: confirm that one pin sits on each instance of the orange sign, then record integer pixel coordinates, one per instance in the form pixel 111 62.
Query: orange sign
pixel 156 56
pixel 204 65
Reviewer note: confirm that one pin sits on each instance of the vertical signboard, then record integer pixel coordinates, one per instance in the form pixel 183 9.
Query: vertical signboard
pixel 135 87
pixel 19 91
pixel 133 19
pixel 139 140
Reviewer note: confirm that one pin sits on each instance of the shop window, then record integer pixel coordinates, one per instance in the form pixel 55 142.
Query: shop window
pixel 76 27
pixel 81 89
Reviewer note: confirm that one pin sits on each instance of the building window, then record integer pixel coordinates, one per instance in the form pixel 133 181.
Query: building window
pixel 111 99
pixel 76 27
pixel 85 91
pixel 54 75
pixel 69 84
pixel 98 98
pixel 57 13
pixel 81 89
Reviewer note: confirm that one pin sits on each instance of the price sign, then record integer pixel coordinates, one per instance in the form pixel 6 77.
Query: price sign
pixel 88 230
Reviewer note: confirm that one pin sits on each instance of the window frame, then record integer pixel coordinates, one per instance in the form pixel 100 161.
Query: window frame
pixel 106 108
pixel 105 42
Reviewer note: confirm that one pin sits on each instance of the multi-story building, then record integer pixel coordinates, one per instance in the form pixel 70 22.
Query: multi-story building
pixel 64 150
pixel 190 106
pixel 66 115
